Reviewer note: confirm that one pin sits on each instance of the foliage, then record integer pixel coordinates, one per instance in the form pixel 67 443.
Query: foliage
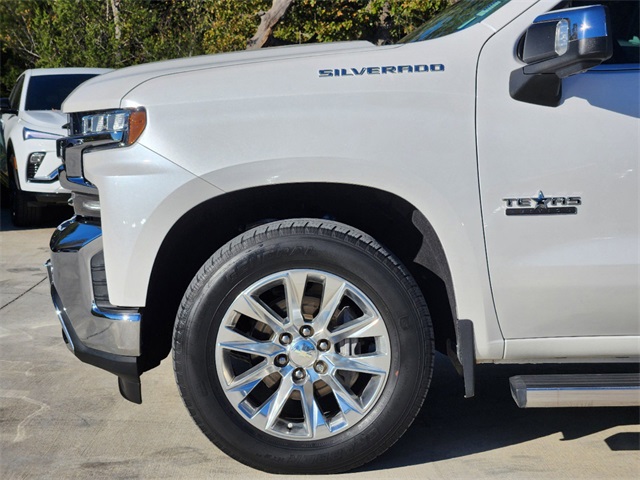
pixel 72 34
pixel 336 20
pixel 97 33
pixel 117 33
pixel 323 21
pixel 17 47
pixel 233 23
pixel 408 15
pixel 163 29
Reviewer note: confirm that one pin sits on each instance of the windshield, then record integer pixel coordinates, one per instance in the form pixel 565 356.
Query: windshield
pixel 47 92
pixel 455 18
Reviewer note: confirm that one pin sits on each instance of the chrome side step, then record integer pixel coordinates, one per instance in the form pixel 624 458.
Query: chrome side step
pixel 595 390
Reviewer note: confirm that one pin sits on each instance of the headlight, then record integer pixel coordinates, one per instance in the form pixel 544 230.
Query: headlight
pixel 30 134
pixel 124 126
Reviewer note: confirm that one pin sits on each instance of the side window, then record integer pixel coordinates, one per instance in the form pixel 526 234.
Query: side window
pixel 14 97
pixel 625 24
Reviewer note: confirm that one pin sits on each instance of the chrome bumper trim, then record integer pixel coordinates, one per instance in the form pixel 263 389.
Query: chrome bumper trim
pixel 57 304
pixel 52 177
pixel 71 151
pixel 113 330
pixel 124 316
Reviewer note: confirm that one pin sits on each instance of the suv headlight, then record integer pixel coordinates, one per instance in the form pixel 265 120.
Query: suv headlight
pixel 123 126
pixel 30 134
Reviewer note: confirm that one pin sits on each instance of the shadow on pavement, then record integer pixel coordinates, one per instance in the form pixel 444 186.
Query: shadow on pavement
pixel 625 441
pixel 450 426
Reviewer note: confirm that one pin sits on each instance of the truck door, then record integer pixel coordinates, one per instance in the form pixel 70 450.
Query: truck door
pixel 569 272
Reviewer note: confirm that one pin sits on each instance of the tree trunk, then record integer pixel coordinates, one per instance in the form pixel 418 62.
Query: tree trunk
pixel 268 20
pixel 115 7
pixel 383 30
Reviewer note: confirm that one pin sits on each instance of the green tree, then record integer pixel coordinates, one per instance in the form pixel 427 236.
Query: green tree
pixel 97 33
pixel 18 48
pixel 378 21
pixel 71 33
pixel 326 21
pixel 233 23
pixel 153 30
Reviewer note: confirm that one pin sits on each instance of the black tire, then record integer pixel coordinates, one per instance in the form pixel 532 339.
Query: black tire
pixel 344 253
pixel 23 212
pixel 5 196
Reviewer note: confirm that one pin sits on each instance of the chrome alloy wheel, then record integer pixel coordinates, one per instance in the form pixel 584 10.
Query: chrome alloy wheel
pixel 302 354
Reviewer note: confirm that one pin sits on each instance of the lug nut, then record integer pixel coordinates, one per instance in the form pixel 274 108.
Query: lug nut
pixel 306 331
pixel 281 360
pixel 299 373
pixel 323 345
pixel 285 339
pixel 321 367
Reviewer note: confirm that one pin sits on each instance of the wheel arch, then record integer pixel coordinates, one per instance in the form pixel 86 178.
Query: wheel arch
pixel 391 220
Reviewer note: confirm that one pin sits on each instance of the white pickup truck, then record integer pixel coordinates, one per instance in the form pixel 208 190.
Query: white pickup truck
pixel 305 226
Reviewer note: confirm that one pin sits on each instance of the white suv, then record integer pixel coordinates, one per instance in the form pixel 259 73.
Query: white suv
pixel 32 123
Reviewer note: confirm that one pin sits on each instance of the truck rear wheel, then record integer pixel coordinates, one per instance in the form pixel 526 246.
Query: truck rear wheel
pixel 302 346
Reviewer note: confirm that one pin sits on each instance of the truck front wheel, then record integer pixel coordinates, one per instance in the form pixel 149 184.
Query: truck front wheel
pixel 23 213
pixel 303 346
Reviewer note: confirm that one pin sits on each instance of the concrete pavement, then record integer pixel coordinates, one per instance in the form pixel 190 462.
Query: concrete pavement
pixel 63 419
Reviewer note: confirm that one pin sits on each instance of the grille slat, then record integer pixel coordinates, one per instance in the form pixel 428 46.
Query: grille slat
pixel 99 281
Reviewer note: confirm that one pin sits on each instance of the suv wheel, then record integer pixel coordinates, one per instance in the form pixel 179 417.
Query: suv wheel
pixel 23 213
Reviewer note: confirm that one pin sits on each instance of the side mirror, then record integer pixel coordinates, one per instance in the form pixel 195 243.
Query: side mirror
pixel 557 45
pixel 5 107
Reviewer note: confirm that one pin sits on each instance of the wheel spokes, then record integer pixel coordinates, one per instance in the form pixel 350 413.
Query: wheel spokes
pixel 294 286
pixel 246 381
pixel 313 417
pixel 365 326
pixel 270 411
pixel 333 292
pixel 303 354
pixel 349 405
pixel 232 340
pixel 371 364
pixel 246 305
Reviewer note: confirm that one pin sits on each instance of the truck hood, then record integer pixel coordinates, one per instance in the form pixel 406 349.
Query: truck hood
pixel 106 91
pixel 44 120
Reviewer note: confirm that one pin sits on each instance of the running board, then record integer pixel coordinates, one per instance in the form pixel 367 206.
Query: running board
pixel 595 390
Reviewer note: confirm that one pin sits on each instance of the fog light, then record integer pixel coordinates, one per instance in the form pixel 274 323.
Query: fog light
pixel 34 162
pixel 36 158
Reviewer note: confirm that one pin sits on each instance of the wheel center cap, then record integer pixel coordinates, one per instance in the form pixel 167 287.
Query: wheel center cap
pixel 303 353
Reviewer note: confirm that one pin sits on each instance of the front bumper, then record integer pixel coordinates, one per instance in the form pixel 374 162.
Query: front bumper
pixel 101 335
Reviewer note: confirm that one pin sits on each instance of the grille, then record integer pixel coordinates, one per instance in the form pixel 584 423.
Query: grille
pixel 99 281
pixel 32 168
